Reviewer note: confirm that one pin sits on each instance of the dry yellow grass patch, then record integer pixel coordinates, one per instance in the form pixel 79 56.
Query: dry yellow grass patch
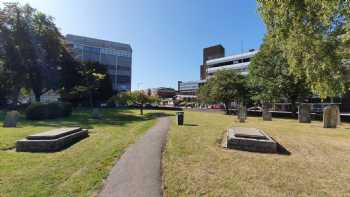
pixel 195 164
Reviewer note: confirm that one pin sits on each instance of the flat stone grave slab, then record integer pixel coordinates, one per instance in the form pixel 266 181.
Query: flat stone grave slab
pixel 51 141
pixel 53 134
pixel 250 139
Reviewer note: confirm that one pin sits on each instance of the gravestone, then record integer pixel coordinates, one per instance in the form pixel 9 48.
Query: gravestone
pixel 11 119
pixel 338 116
pixel 266 114
pixel 96 114
pixel 330 116
pixel 242 114
pixel 304 115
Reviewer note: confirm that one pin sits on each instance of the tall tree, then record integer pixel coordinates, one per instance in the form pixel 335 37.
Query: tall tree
pixel 270 77
pixel 16 51
pixel 49 47
pixel 226 86
pixel 31 47
pixel 314 36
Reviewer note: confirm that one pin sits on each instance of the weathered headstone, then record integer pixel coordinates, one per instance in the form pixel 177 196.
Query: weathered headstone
pixel 338 116
pixel 330 116
pixel 96 114
pixel 266 114
pixel 242 114
pixel 304 115
pixel 11 119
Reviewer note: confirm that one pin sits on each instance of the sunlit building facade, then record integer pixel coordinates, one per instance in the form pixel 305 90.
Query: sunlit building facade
pixel 238 62
pixel 117 57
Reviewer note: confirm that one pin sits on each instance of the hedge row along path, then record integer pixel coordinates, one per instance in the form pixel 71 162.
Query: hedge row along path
pixel 138 171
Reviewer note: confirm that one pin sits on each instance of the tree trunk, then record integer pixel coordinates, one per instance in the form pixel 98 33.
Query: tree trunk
pixel 91 102
pixel 294 107
pixel 141 110
pixel 227 108
pixel 37 97
pixel 14 103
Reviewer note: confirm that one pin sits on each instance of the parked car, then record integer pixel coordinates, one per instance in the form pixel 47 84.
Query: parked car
pixel 217 106
pixel 255 108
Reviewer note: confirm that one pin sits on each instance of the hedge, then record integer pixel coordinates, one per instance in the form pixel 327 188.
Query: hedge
pixel 39 111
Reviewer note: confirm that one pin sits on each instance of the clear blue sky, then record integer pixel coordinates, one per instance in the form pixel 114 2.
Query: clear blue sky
pixel 167 36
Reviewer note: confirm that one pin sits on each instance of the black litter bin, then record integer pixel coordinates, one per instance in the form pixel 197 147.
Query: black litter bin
pixel 180 118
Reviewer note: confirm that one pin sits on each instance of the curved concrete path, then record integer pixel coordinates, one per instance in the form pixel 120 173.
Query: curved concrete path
pixel 138 172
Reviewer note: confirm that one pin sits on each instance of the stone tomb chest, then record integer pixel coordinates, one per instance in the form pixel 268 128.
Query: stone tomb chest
pixel 250 139
pixel 51 141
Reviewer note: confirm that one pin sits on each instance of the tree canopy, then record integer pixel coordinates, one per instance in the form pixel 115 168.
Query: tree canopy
pixel 314 36
pixel 30 49
pixel 135 97
pixel 226 86
pixel 92 83
pixel 270 78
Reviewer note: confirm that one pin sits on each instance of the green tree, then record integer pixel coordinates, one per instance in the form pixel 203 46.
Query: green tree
pixel 16 52
pixel 32 47
pixel 136 97
pixel 314 36
pixel 92 83
pixel 204 94
pixel 226 86
pixel 270 78
pixel 49 47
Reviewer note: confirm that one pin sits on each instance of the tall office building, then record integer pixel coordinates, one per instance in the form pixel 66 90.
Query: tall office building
pixel 210 53
pixel 116 56
pixel 214 59
pixel 238 62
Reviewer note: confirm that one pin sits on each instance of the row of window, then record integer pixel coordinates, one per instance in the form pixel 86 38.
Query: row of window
pixel 245 69
pixel 188 86
pixel 106 51
pixel 230 62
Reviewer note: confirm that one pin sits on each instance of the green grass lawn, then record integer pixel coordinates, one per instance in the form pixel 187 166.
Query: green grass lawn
pixel 195 164
pixel 76 171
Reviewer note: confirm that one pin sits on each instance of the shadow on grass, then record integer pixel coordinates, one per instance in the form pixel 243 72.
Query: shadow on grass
pixel 190 125
pixel 84 120
pixel 282 150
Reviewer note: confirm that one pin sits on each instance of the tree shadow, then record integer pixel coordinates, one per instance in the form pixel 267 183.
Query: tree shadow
pixel 190 125
pixel 84 119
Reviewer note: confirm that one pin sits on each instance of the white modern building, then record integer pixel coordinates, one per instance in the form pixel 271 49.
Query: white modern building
pixel 117 57
pixel 189 87
pixel 239 62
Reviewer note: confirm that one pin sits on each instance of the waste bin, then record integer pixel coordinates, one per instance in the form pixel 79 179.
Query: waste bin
pixel 180 118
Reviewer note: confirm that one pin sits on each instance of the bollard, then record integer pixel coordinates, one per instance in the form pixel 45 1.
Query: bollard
pixel 180 118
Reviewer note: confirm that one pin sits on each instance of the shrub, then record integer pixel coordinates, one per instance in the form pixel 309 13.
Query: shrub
pixel 67 109
pixel 39 111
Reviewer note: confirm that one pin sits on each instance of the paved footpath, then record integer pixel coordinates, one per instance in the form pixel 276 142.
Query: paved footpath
pixel 138 172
